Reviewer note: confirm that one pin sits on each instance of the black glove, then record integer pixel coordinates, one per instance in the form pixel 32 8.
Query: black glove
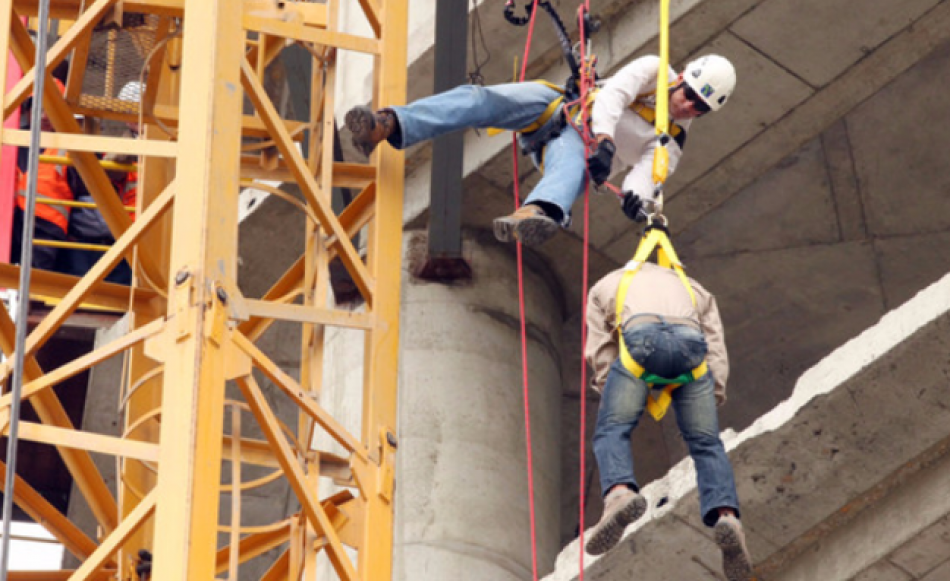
pixel 599 163
pixel 633 207
pixel 144 567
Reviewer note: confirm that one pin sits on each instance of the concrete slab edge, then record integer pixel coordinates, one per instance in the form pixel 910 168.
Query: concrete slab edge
pixel 837 368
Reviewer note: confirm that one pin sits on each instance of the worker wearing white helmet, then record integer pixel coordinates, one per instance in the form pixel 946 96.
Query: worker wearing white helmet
pixel 623 113
pixel 622 120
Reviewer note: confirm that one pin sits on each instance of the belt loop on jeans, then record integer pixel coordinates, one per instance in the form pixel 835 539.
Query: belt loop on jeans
pixel 644 318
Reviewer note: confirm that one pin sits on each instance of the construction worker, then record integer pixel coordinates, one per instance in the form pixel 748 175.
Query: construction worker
pixel 51 220
pixel 87 225
pixel 622 121
pixel 666 333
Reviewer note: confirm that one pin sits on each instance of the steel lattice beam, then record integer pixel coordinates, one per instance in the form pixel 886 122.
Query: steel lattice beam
pixel 190 328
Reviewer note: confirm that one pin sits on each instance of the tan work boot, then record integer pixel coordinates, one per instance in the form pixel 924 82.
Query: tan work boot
pixel 528 224
pixel 369 128
pixel 736 561
pixel 622 506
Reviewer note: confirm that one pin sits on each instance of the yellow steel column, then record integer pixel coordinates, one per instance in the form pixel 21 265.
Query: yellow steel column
pixel 382 342
pixel 204 248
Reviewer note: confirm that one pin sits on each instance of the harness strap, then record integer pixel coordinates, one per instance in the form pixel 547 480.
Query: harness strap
pixel 543 118
pixel 648 114
pixel 645 112
pixel 655 239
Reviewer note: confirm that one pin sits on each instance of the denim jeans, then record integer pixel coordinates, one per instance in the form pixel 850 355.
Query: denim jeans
pixel 666 350
pixel 510 106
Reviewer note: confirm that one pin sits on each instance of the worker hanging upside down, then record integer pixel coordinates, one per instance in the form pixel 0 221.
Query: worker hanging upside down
pixel 661 331
pixel 622 120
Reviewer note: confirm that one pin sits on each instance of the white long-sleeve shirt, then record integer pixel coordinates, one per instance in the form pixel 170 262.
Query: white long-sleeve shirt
pixel 634 137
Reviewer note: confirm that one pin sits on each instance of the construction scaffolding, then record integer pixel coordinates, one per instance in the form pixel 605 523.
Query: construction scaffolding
pixel 191 331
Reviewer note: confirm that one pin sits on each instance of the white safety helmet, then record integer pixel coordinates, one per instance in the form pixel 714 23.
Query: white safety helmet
pixel 713 78
pixel 131 92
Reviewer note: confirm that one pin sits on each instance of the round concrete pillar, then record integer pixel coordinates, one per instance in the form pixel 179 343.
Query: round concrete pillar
pixel 462 502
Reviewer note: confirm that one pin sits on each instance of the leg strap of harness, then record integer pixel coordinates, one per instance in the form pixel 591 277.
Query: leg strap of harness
pixel 657 407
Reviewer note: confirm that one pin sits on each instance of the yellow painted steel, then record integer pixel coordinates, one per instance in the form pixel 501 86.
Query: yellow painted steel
pixel 106 164
pixel 73 204
pixel 70 245
pixel 190 328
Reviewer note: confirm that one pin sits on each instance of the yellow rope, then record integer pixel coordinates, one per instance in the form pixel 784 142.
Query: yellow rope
pixel 661 155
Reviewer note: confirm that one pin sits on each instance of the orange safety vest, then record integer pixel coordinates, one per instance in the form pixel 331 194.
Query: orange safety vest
pixel 128 192
pixel 51 184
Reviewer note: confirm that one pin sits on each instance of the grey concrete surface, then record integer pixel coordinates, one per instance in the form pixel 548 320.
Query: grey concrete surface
pixel 846 479
pixel 463 477
pixel 100 415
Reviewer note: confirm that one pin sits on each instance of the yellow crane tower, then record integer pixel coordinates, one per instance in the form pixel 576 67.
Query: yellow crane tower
pixel 207 127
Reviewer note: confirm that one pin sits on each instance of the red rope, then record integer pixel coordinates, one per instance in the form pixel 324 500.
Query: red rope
pixel 589 141
pixel 524 329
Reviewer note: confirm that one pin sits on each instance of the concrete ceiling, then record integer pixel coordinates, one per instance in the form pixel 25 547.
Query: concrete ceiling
pixel 812 205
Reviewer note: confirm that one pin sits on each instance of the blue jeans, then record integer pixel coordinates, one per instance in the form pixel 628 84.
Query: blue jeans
pixel 666 350
pixel 511 106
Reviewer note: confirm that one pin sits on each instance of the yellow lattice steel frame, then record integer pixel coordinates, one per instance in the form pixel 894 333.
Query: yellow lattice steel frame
pixel 191 330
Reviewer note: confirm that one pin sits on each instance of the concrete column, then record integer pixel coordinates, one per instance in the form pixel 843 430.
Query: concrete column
pixel 462 509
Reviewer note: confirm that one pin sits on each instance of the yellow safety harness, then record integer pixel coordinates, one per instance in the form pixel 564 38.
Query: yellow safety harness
pixel 639 107
pixel 648 114
pixel 656 238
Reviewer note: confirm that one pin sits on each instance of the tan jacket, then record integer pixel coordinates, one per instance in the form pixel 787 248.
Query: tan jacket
pixel 658 291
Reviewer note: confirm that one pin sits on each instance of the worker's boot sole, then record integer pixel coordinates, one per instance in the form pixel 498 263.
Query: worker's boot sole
pixel 736 564
pixel 532 231
pixel 608 533
pixel 361 121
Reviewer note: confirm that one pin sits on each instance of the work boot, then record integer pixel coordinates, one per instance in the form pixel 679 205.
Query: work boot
pixel 529 224
pixel 622 506
pixel 369 128
pixel 736 561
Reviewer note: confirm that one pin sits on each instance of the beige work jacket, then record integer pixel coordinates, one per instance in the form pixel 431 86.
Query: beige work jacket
pixel 658 291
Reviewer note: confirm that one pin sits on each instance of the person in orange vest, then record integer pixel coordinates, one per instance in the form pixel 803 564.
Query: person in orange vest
pixel 52 220
pixel 87 224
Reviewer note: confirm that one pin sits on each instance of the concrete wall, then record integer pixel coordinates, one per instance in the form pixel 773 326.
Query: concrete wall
pixel 461 484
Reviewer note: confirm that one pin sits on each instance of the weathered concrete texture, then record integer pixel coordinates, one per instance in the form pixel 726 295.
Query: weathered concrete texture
pixel 851 467
pixel 271 240
pixel 794 199
pixel 101 416
pixel 896 172
pixel 342 395
pixel 789 309
pixel 462 476
pixel 803 45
